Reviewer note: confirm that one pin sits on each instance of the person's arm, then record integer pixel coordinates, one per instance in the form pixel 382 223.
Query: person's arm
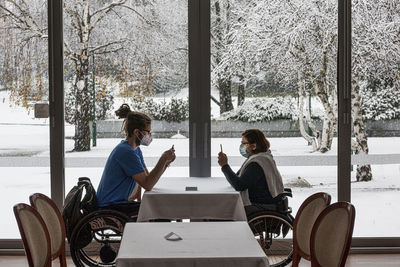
pixel 148 180
pixel 137 194
pixel 249 176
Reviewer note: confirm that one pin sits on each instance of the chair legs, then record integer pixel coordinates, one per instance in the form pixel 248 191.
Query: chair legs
pixel 62 258
pixel 296 259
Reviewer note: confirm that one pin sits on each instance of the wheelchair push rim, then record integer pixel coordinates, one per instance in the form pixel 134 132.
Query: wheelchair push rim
pixel 274 233
pixel 96 238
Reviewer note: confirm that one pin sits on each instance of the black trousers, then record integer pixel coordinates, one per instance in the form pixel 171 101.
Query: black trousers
pixel 130 208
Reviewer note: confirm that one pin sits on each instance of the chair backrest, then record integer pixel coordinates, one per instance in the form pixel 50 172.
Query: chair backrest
pixel 34 234
pixel 54 222
pixel 331 235
pixel 305 218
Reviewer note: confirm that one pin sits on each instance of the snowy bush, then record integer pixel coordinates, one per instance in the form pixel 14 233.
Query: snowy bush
pixel 265 109
pixel 382 104
pixel 176 110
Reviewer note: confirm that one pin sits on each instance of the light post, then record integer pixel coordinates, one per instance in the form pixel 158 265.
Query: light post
pixel 94 126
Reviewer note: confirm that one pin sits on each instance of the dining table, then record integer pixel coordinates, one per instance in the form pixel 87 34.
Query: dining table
pixel 193 198
pixel 190 244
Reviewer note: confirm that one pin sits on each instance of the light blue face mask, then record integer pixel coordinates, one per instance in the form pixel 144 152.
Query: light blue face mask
pixel 243 151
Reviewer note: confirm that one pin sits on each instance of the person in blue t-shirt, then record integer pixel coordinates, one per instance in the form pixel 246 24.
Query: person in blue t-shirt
pixel 125 171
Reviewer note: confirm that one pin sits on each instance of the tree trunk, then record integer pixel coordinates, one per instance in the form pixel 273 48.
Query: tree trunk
pixel 225 95
pixel 82 105
pixel 364 172
pixel 309 138
pixel 240 93
pixel 82 90
pixel 326 140
pixel 330 120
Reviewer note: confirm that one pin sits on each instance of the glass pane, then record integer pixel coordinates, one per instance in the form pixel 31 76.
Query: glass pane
pixel 274 69
pixel 376 112
pixel 24 139
pixel 136 53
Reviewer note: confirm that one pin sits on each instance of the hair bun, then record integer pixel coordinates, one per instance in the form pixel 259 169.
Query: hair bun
pixel 123 111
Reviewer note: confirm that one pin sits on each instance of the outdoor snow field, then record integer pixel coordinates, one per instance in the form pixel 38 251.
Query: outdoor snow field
pixel 24 169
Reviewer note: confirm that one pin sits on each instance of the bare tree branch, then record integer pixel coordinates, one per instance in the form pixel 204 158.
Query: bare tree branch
pixel 68 52
pixel 108 51
pixel 93 50
pixel 24 18
pixel 73 16
pixel 102 12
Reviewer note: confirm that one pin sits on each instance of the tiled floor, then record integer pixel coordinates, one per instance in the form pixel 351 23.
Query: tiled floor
pixel 356 260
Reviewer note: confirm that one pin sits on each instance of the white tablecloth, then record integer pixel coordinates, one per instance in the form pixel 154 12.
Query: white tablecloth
pixel 208 244
pixel 214 199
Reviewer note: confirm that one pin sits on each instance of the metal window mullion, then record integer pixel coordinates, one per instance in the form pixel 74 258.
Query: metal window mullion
pixel 344 99
pixel 199 88
pixel 56 100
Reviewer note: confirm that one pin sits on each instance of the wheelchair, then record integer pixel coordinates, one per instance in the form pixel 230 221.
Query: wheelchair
pixel 95 238
pixel 272 226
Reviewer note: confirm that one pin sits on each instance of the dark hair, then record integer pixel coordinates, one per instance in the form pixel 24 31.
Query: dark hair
pixel 255 136
pixel 132 120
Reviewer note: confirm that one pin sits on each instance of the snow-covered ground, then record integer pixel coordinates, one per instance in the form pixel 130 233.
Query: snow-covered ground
pixel 21 135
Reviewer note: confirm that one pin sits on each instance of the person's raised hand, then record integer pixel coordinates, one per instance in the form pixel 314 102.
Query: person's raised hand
pixel 171 159
pixel 222 159
pixel 169 156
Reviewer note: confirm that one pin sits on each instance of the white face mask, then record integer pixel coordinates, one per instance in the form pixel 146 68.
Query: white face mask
pixel 146 140
pixel 242 150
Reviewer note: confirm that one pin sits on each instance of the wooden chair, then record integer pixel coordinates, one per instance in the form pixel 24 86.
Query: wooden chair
pixel 331 235
pixel 34 234
pixel 305 218
pixel 54 223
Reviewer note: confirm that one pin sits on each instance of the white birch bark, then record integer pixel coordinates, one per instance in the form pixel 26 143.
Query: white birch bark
pixel 310 139
pixel 364 172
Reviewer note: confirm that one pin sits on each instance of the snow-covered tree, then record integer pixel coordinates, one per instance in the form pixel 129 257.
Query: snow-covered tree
pixel 24 57
pixel 376 57
pixel 139 41
pixel 299 40
pixel 221 18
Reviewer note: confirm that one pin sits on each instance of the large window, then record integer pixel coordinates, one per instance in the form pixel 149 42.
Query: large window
pixel 375 115
pixel 274 69
pixel 136 53
pixel 24 139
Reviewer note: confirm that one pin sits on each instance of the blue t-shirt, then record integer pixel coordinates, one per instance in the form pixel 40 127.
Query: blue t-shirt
pixel 116 183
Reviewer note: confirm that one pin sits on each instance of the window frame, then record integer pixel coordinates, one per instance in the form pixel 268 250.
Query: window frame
pixel 199 110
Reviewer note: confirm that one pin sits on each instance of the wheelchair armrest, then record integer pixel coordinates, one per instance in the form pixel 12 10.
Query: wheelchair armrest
pixel 287 192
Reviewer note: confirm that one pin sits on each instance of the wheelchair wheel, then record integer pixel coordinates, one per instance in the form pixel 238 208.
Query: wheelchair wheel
pixel 273 232
pixel 96 238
